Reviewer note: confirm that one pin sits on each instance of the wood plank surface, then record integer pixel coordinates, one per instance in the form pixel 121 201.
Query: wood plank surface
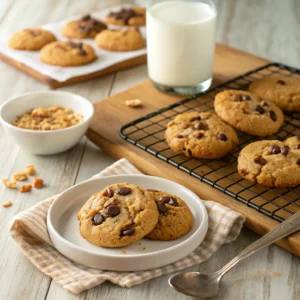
pixel 268 28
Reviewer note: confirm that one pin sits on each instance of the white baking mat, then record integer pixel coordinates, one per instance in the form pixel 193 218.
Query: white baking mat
pixel 105 58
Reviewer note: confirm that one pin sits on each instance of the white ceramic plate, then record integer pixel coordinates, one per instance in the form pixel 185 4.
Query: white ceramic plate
pixel 144 254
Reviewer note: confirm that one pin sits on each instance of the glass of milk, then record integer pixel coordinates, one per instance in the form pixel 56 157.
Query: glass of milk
pixel 181 45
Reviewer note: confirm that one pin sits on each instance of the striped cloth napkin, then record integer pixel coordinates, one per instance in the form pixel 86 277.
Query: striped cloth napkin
pixel 29 230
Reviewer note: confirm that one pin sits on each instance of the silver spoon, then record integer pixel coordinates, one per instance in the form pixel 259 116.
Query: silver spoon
pixel 207 285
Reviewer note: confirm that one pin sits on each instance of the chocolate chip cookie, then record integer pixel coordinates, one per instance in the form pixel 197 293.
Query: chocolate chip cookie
pixel 175 218
pixel 135 16
pixel 65 54
pixel 118 216
pixel 271 163
pixel 281 90
pixel 31 39
pixel 120 40
pixel 248 112
pixel 200 134
pixel 84 28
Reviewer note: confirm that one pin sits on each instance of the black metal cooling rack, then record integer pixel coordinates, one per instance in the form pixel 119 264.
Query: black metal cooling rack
pixel 147 133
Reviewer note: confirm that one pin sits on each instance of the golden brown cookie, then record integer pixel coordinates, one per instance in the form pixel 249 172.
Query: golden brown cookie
pixel 175 218
pixel 65 54
pixel 118 216
pixel 200 134
pixel 281 90
pixel 135 16
pixel 84 28
pixel 120 40
pixel 248 112
pixel 271 163
pixel 31 39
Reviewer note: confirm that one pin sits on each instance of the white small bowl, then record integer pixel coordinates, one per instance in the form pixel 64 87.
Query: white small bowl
pixel 46 142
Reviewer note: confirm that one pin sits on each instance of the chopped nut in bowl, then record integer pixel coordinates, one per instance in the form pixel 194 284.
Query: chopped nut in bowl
pixel 47 122
pixel 49 118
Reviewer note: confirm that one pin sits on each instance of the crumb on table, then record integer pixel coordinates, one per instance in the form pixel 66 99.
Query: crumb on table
pixel 26 188
pixel 30 170
pixel 133 103
pixel 7 204
pixel 20 176
pixel 11 184
pixel 124 252
pixel 38 183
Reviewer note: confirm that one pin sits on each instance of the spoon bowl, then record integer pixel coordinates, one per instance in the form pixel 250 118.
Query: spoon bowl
pixel 196 284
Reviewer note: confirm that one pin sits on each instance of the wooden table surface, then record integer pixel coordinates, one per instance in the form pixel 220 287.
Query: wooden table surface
pixel 267 28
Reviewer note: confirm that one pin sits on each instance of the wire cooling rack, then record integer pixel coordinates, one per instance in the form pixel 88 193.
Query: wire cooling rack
pixel 147 133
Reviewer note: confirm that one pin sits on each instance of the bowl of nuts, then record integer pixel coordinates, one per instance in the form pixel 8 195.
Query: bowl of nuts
pixel 46 122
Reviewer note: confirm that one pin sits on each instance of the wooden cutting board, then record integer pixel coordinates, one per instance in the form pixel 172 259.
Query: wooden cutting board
pixel 55 84
pixel 112 113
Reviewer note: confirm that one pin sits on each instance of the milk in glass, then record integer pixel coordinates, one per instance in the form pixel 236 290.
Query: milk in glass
pixel 181 43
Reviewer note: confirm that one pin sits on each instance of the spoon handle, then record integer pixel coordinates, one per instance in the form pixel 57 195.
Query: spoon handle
pixel 287 227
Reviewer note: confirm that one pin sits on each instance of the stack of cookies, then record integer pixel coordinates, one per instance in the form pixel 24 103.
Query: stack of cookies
pixel 74 53
pixel 257 112
pixel 123 213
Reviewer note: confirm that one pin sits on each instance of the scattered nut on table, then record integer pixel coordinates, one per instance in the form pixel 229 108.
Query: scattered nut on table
pixel 7 204
pixel 38 183
pixel 11 184
pixel 25 188
pixel 133 102
pixel 30 170
pixel 20 176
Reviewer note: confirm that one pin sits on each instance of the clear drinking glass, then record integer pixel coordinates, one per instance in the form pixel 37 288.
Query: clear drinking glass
pixel 181 44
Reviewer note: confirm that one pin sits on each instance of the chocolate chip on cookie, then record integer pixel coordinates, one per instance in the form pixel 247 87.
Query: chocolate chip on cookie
pixel 201 126
pixel 260 160
pixel 199 135
pixel 123 191
pixel 222 137
pixel 285 150
pixel 108 193
pixel 280 81
pixel 275 149
pixel 161 206
pixel 259 109
pixel 273 115
pixel 98 219
pixel 127 231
